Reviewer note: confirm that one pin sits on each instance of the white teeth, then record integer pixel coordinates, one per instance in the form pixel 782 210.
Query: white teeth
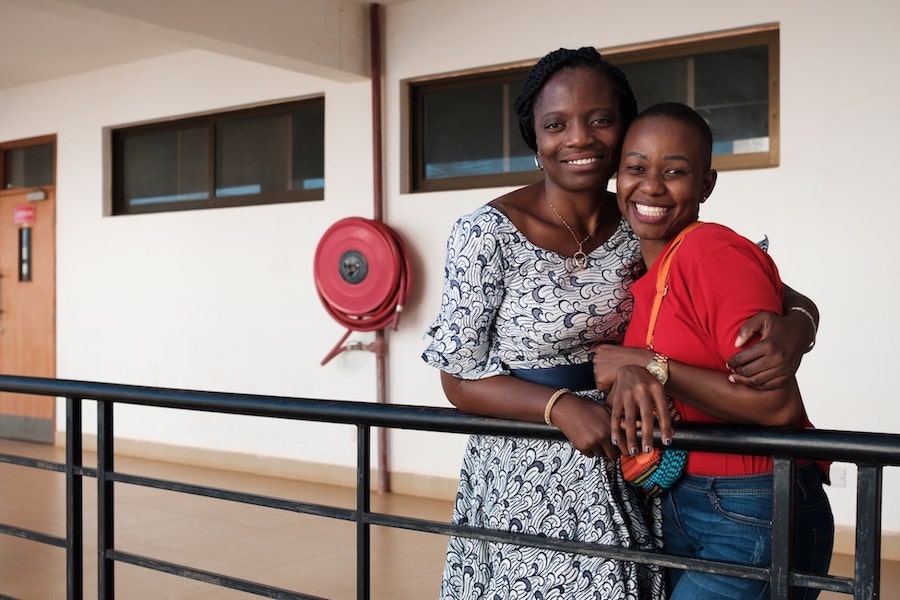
pixel 582 161
pixel 646 210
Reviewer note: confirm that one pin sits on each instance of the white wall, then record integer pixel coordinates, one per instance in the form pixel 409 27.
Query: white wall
pixel 828 210
pixel 216 299
pixel 225 300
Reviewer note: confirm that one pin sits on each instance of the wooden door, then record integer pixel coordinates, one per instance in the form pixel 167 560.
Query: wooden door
pixel 27 310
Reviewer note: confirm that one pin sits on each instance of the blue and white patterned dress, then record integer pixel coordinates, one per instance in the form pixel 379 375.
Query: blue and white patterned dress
pixel 508 304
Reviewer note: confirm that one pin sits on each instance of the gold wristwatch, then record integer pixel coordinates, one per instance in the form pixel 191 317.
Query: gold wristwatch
pixel 659 367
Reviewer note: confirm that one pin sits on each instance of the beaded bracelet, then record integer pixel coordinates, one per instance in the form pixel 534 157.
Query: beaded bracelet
pixel 556 396
pixel 812 320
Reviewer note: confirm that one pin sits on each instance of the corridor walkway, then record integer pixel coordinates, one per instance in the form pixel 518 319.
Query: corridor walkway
pixel 311 555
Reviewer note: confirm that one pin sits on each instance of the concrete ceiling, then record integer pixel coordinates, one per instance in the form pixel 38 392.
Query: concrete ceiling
pixel 46 39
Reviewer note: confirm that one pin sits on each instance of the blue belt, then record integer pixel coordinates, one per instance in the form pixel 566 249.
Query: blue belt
pixel 575 377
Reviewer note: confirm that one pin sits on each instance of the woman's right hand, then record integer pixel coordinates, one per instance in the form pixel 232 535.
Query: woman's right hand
pixel 586 424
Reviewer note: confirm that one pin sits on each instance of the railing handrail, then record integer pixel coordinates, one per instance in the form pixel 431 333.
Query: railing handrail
pixel 820 444
pixel 870 451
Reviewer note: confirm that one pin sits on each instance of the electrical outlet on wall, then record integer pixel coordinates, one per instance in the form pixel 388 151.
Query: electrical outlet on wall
pixel 838 476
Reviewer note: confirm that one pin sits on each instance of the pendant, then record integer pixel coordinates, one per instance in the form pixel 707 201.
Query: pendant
pixel 580 259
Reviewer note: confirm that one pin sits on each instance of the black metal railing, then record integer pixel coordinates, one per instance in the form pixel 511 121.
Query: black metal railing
pixel 871 452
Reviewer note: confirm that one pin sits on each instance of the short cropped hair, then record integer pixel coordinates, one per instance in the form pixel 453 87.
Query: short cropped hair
pixel 683 114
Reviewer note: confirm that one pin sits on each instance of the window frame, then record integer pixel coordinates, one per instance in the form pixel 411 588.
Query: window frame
pixel 42 140
pixel 412 175
pixel 118 135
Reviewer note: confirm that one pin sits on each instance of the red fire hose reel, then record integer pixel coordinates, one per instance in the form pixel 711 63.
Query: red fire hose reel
pixel 362 275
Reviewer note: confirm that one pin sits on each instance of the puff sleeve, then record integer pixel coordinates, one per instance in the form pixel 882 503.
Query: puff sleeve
pixel 463 334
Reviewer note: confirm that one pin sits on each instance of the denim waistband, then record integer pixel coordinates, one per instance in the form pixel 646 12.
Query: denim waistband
pixel 807 478
pixel 577 378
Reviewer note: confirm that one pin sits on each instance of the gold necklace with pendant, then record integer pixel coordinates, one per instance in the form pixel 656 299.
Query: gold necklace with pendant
pixel 579 258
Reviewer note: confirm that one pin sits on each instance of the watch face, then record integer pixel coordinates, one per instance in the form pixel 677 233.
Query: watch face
pixel 658 371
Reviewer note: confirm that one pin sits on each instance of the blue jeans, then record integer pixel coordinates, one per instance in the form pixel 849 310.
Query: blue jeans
pixel 730 519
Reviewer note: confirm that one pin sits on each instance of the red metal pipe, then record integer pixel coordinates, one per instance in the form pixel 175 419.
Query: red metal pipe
pixel 376 75
pixel 383 481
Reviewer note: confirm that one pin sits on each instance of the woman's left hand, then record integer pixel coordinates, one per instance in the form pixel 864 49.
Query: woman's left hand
pixel 637 401
pixel 772 361
pixel 608 359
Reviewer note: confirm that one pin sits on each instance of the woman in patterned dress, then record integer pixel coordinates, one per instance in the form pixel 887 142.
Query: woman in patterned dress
pixel 533 280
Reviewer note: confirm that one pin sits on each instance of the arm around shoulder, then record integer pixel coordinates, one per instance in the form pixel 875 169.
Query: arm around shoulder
pixel 783 340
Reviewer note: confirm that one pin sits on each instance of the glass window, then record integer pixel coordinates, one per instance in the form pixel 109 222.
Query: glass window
pixel 165 167
pixel 472 131
pixel 732 87
pixel 464 134
pixel 256 156
pixel 732 94
pixel 27 165
pixel 266 154
pixel 728 88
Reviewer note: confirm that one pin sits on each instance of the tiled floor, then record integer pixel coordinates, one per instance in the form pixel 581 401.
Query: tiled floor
pixel 306 554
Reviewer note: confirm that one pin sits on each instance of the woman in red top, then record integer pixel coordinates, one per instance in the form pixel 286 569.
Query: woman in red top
pixel 721 508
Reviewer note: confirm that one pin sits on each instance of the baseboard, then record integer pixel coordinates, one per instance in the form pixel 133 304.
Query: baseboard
pixel 407 484
pixel 845 542
pixel 27 429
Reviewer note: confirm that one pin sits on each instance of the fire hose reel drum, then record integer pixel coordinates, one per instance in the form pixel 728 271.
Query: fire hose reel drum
pixel 361 273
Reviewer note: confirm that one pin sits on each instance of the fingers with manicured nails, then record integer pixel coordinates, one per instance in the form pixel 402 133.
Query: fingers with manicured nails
pixel 648 423
pixel 616 419
pixel 585 424
pixel 663 417
pixel 632 420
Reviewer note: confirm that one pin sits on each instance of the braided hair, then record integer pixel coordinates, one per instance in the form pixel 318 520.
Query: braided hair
pixel 553 62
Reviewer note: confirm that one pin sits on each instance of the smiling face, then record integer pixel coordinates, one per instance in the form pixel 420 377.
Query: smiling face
pixel 579 129
pixel 663 177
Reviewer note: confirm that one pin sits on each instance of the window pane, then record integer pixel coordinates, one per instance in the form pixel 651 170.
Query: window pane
pixel 271 153
pixel 729 88
pixel 309 149
pixel 732 94
pixel 658 81
pixel 472 131
pixel 28 167
pixel 165 167
pixel 260 155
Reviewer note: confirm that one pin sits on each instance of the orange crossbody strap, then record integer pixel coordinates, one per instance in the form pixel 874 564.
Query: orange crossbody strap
pixel 662 278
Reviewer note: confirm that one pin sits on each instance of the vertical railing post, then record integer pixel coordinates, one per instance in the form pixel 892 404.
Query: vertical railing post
pixel 74 502
pixel 106 579
pixel 867 570
pixel 363 506
pixel 783 473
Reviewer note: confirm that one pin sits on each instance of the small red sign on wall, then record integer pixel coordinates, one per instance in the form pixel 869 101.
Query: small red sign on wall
pixel 24 214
